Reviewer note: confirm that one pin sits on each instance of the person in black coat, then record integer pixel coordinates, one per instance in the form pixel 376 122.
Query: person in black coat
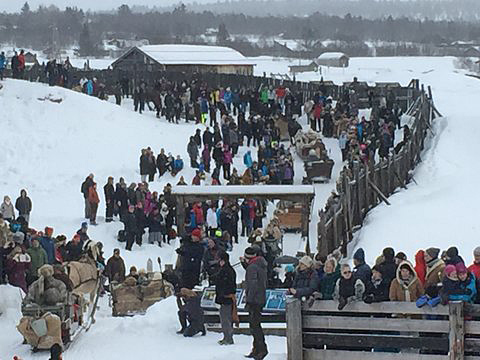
pixel 361 270
pixel 388 266
pixel 207 138
pixel 24 205
pixel 141 223
pixel 84 189
pixel 109 191
pixel 377 289
pixel 130 222
pixel 191 253
pixel 162 161
pixel 121 199
pixel 225 290
pixel 144 165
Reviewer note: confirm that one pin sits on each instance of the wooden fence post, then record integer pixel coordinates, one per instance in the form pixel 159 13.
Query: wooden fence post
pixel 457 331
pixel 294 329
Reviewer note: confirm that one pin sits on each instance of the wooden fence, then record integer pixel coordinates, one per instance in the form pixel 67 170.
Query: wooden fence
pixel 361 187
pixel 382 331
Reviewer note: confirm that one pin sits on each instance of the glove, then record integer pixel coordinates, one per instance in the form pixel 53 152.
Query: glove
pixel 369 299
pixel 342 302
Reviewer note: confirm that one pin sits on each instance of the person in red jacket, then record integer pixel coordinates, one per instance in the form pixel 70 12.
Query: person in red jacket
pixel 475 267
pixel 94 200
pixel 420 266
pixel 21 64
pixel 198 211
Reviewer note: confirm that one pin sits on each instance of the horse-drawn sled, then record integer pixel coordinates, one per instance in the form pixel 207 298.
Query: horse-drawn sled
pixel 135 296
pixel 55 310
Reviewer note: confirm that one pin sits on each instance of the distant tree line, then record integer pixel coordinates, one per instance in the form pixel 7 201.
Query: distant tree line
pixel 48 26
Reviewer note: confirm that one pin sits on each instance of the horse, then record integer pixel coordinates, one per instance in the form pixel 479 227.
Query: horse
pixel 84 274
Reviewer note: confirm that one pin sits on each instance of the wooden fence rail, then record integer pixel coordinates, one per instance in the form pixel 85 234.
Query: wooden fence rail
pixel 383 331
pixel 361 187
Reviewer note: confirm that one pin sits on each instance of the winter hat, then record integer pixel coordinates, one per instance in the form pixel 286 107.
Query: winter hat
pixel 476 252
pixel 218 233
pixel 449 269
pixel 307 261
pixel 48 231
pixel 250 252
pixel 289 268
pixel 84 225
pixel 359 255
pixel 197 233
pixel 401 256
pixel 433 252
pixel 461 268
pixel 388 253
pixel 452 252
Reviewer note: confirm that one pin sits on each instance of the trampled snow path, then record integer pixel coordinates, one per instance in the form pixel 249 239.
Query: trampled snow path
pixel 50 148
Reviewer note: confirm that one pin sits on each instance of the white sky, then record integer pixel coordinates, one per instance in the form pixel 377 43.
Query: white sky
pixel 15 5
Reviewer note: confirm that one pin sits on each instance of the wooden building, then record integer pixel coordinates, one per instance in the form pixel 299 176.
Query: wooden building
pixel 333 59
pixel 184 58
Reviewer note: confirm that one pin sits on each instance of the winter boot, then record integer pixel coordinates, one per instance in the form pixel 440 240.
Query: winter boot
pixel 434 301
pixel 422 301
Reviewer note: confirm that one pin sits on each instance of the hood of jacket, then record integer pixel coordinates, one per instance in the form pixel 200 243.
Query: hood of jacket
pixel 412 270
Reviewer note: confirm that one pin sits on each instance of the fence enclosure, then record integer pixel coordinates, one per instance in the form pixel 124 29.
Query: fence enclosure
pixel 363 186
pixel 382 331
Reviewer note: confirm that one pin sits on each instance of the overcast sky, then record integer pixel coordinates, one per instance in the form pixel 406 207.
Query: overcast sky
pixel 15 5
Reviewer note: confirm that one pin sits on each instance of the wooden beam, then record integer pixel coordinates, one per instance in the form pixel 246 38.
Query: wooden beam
pixel 294 329
pixel 374 324
pixel 389 307
pixel 457 331
pixel 314 354
pixel 367 341
pixel 246 331
pixel 380 194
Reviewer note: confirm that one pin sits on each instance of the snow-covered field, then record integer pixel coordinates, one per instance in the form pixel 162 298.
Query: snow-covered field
pixel 50 148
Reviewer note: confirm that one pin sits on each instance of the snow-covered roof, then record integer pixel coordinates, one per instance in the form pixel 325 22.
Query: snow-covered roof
pixel 195 55
pixel 331 56
pixel 247 190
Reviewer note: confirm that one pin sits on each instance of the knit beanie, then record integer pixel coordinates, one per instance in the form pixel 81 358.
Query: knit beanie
pixel 307 261
pixel 388 253
pixel 461 268
pixel 433 252
pixel 449 269
pixel 476 252
pixel 359 255
pixel 250 252
pixel 452 252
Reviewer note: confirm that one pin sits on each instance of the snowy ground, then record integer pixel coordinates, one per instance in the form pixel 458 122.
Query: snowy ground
pixel 50 148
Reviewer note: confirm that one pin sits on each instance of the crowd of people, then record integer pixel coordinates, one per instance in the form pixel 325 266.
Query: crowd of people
pixel 433 278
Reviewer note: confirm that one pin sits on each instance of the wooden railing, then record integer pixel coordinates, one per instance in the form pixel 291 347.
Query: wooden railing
pixel 361 187
pixel 382 331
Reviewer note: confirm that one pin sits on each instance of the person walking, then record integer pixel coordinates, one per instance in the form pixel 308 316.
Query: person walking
pixel 94 200
pixel 24 205
pixel 255 287
pixel 225 290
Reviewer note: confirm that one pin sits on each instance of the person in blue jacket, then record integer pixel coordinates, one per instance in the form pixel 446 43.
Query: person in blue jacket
pixel 48 244
pixel 3 61
pixel 467 284
pixel 247 159
pixel 228 98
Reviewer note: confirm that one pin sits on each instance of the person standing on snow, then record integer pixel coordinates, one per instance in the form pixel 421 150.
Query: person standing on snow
pixel 24 205
pixel 109 191
pixel 3 63
pixel 192 149
pixel 255 287
pixel 225 290
pixel 7 210
pixel 84 190
pixel 94 200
